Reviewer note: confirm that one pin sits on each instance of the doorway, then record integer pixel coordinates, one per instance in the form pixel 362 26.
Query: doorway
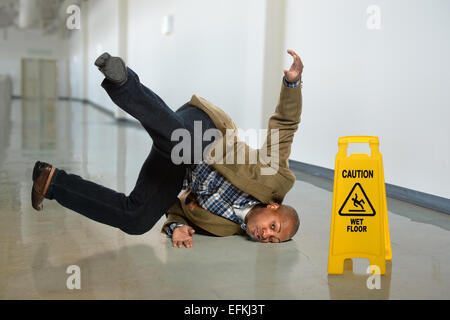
pixel 39 79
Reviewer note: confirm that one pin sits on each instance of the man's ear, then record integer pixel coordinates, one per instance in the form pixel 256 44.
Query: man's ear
pixel 273 206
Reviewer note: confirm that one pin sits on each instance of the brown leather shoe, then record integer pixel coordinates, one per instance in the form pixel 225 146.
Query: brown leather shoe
pixel 42 175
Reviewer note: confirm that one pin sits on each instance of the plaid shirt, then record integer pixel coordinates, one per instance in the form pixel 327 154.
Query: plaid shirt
pixel 216 194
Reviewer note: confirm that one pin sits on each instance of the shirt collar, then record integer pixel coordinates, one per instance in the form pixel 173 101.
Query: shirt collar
pixel 241 213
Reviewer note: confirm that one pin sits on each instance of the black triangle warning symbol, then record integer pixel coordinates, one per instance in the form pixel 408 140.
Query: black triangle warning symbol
pixel 359 204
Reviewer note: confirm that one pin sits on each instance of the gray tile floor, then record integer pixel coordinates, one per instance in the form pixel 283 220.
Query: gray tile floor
pixel 37 248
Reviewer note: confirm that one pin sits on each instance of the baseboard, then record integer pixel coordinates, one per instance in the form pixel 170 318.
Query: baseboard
pixel 421 199
pixel 85 101
pixel 99 108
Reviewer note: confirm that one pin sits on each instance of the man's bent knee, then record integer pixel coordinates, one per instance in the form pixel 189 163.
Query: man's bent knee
pixel 137 228
pixel 134 232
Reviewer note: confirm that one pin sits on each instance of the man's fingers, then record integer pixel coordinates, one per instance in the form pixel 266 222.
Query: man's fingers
pixel 295 56
pixel 187 243
pixel 179 243
pixel 297 64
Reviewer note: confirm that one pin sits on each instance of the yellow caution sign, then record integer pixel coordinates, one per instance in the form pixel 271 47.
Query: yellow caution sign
pixel 359 221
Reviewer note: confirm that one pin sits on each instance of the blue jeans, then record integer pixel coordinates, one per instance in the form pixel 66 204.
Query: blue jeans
pixel 159 181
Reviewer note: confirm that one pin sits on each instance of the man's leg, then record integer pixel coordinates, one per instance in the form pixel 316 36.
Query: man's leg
pixel 157 187
pixel 159 181
pixel 148 108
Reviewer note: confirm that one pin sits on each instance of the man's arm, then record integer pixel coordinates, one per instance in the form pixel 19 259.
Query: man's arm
pixel 181 234
pixel 179 230
pixel 286 117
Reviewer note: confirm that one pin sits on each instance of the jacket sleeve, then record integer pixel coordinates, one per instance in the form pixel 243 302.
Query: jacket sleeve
pixel 175 214
pixel 282 126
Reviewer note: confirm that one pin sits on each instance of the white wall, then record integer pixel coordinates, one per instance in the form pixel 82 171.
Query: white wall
pixel 216 51
pixel 16 44
pixel 102 31
pixel 393 83
pixel 99 33
pixel 76 63
pixel 274 53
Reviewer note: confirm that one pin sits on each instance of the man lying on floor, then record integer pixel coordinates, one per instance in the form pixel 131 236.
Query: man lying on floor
pixel 220 198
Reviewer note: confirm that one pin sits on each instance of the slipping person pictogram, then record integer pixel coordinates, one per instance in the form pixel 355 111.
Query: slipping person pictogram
pixel 359 205
pixel 357 202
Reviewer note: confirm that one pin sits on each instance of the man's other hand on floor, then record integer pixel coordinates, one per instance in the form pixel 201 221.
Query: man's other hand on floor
pixel 183 236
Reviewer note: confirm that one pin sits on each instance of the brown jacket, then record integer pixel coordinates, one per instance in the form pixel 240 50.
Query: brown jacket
pixel 269 186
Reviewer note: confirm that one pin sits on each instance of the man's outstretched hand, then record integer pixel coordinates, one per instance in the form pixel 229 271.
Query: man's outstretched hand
pixel 294 73
pixel 183 236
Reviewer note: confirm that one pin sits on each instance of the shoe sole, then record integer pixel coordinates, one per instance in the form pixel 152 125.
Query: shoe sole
pixel 118 74
pixel 36 170
pixel 37 197
pixel 101 61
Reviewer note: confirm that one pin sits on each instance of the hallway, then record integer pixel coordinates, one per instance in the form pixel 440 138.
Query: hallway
pixel 36 248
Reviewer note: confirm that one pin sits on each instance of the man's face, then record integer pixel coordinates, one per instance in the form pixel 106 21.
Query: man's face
pixel 267 225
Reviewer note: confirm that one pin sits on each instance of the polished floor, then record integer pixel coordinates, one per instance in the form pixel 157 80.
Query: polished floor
pixel 37 248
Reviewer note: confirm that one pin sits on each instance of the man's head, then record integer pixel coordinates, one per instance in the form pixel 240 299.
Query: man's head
pixel 272 223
